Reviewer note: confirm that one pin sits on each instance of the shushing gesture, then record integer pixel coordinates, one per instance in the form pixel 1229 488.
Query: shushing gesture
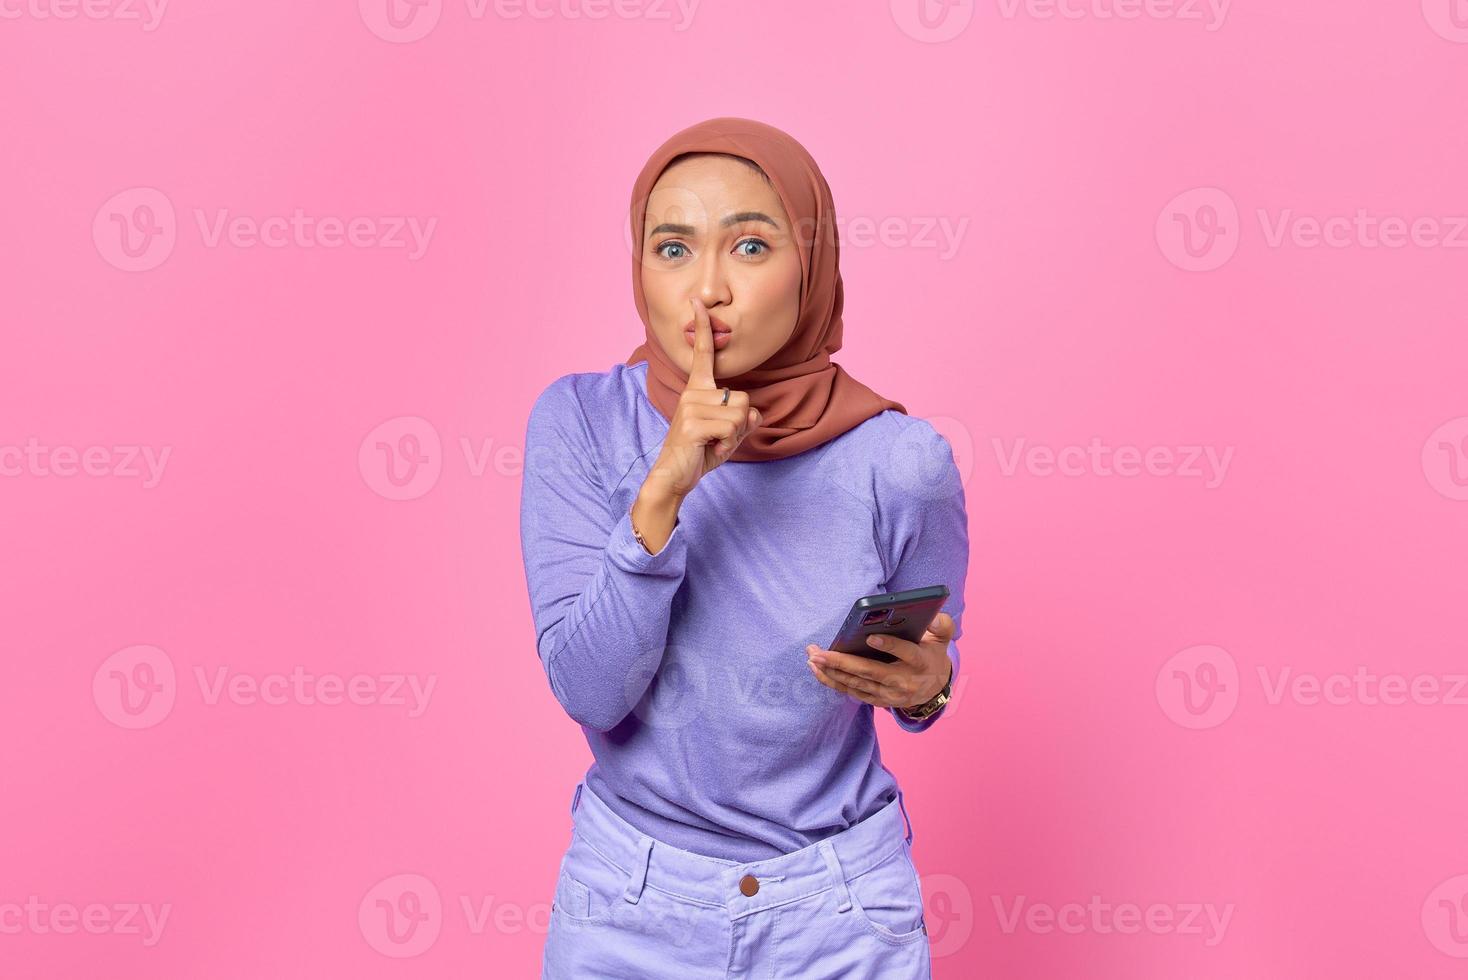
pixel 704 431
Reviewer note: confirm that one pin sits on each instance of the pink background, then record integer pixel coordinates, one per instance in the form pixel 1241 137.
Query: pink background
pixel 1121 731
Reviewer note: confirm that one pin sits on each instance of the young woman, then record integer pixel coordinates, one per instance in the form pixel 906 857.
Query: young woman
pixel 695 523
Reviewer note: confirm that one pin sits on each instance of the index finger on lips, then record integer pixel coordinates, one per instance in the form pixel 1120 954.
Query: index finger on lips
pixel 702 374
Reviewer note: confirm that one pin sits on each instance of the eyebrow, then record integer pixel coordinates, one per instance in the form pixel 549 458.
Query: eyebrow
pixel 733 219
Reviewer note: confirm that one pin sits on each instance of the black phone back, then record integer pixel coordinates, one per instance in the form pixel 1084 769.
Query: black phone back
pixel 901 614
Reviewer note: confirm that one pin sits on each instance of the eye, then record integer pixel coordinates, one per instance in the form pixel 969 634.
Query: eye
pixel 753 241
pixel 670 244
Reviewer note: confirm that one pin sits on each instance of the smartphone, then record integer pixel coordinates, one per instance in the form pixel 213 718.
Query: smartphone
pixel 901 614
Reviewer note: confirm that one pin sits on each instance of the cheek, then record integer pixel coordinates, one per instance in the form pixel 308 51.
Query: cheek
pixel 779 295
pixel 781 300
pixel 658 293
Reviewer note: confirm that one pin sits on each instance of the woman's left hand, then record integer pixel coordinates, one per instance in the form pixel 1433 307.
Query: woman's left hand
pixel 917 675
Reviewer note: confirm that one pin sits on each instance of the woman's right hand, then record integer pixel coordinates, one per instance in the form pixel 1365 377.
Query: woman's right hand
pixel 703 432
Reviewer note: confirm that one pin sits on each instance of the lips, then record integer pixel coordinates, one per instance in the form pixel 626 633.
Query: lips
pixel 719 326
pixel 721 338
pixel 722 333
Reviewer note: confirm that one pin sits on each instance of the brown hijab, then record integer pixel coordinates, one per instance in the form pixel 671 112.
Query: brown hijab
pixel 805 398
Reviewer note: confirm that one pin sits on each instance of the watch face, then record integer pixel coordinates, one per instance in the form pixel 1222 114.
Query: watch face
pixel 939 700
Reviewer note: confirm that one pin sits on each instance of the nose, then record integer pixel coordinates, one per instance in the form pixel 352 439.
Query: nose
pixel 713 280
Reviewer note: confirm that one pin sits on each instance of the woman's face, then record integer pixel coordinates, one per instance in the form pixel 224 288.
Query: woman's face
pixel 715 229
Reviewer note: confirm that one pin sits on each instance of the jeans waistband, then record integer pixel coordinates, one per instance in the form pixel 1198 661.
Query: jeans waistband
pixel 716 882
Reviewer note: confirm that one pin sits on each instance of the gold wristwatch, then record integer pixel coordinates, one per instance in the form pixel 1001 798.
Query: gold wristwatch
pixel 931 706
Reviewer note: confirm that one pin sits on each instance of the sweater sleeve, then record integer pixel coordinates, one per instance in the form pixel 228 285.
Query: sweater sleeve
pixel 601 603
pixel 924 530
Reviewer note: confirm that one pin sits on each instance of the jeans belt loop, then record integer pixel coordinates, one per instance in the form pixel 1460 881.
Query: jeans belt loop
pixel 639 869
pixel 838 880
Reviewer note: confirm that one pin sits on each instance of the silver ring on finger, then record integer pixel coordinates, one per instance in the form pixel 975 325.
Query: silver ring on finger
pixel 726 397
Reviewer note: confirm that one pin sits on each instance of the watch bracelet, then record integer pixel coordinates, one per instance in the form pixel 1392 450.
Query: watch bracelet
pixel 946 689
pixel 638 534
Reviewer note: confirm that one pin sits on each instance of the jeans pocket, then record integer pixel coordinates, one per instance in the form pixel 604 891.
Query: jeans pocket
pixel 588 883
pixel 572 897
pixel 888 898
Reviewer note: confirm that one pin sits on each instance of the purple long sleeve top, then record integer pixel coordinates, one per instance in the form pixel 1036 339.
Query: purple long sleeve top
pixel 686 669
